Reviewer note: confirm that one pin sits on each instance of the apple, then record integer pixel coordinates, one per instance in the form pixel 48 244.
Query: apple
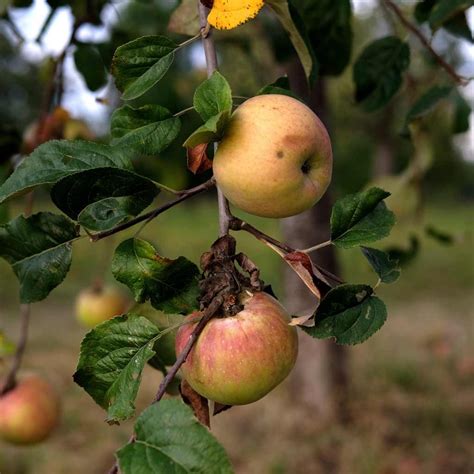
pixel 95 305
pixel 275 159
pixel 29 412
pixel 239 359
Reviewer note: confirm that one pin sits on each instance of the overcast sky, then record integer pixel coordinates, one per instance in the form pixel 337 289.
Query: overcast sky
pixel 81 101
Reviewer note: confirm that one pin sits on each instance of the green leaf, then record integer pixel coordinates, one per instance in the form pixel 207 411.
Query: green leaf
pixel 112 359
pixel 103 197
pixel 289 19
pixel 213 96
pixel 280 86
pixel 185 19
pixel 361 218
pixel 149 129
pixel 170 285
pixel 4 212
pixel 89 63
pixel 329 27
pixel 110 212
pixel 427 102
pixel 457 25
pixel 55 160
pixel 386 268
pixel 445 10
pixel 169 439
pixel 141 63
pixel 39 249
pixel 212 131
pixel 350 314
pixel 462 111
pixel 378 72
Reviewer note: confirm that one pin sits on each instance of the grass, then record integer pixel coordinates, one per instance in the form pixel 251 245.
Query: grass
pixel 411 384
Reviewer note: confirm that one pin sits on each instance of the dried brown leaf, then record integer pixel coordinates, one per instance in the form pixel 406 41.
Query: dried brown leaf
pixel 198 403
pixel 198 161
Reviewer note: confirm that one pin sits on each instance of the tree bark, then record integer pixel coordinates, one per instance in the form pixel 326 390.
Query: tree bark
pixel 320 378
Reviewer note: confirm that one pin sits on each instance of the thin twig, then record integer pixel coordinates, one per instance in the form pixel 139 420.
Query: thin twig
pixel 10 381
pixel 211 63
pixel 156 212
pixel 239 224
pixel 207 314
pixel 317 247
pixel 463 81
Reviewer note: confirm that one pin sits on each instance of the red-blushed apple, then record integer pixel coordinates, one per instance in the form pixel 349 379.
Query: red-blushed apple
pixel 239 359
pixel 29 412
pixel 96 305
pixel 275 159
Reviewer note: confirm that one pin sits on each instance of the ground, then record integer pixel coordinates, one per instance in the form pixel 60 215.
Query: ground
pixel 412 394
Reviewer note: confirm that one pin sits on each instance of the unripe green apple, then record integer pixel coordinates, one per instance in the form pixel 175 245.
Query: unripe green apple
pixel 96 305
pixel 29 412
pixel 275 159
pixel 239 359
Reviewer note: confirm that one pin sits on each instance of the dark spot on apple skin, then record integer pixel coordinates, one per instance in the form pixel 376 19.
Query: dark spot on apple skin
pixel 280 154
pixel 305 167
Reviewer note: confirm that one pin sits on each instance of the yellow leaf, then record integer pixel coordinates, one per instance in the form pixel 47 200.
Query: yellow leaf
pixel 228 14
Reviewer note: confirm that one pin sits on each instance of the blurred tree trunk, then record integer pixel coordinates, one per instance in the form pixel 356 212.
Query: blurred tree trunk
pixel 384 160
pixel 320 378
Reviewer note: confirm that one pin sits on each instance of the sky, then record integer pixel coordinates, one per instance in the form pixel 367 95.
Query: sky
pixel 82 102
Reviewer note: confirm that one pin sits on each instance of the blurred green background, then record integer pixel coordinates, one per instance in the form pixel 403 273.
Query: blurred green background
pixel 411 385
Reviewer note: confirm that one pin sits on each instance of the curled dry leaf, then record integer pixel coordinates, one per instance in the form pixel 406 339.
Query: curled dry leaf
pixel 198 161
pixel 303 266
pixel 198 403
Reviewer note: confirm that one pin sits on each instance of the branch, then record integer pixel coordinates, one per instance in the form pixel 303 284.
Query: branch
pixel 207 314
pixel 317 247
pixel 156 212
pixel 10 381
pixel 239 224
pixel 463 81
pixel 211 62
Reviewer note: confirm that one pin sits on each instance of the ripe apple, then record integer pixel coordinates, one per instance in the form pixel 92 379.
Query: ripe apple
pixel 29 412
pixel 239 359
pixel 96 305
pixel 275 159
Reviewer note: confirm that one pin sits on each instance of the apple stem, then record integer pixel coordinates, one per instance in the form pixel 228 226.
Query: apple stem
pixel 10 381
pixel 317 247
pixel 211 63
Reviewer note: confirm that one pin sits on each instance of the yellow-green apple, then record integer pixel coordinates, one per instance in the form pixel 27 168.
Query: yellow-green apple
pixel 275 159
pixel 29 412
pixel 239 359
pixel 96 305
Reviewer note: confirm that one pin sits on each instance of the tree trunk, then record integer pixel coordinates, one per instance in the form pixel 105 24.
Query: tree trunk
pixel 320 377
pixel 383 164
